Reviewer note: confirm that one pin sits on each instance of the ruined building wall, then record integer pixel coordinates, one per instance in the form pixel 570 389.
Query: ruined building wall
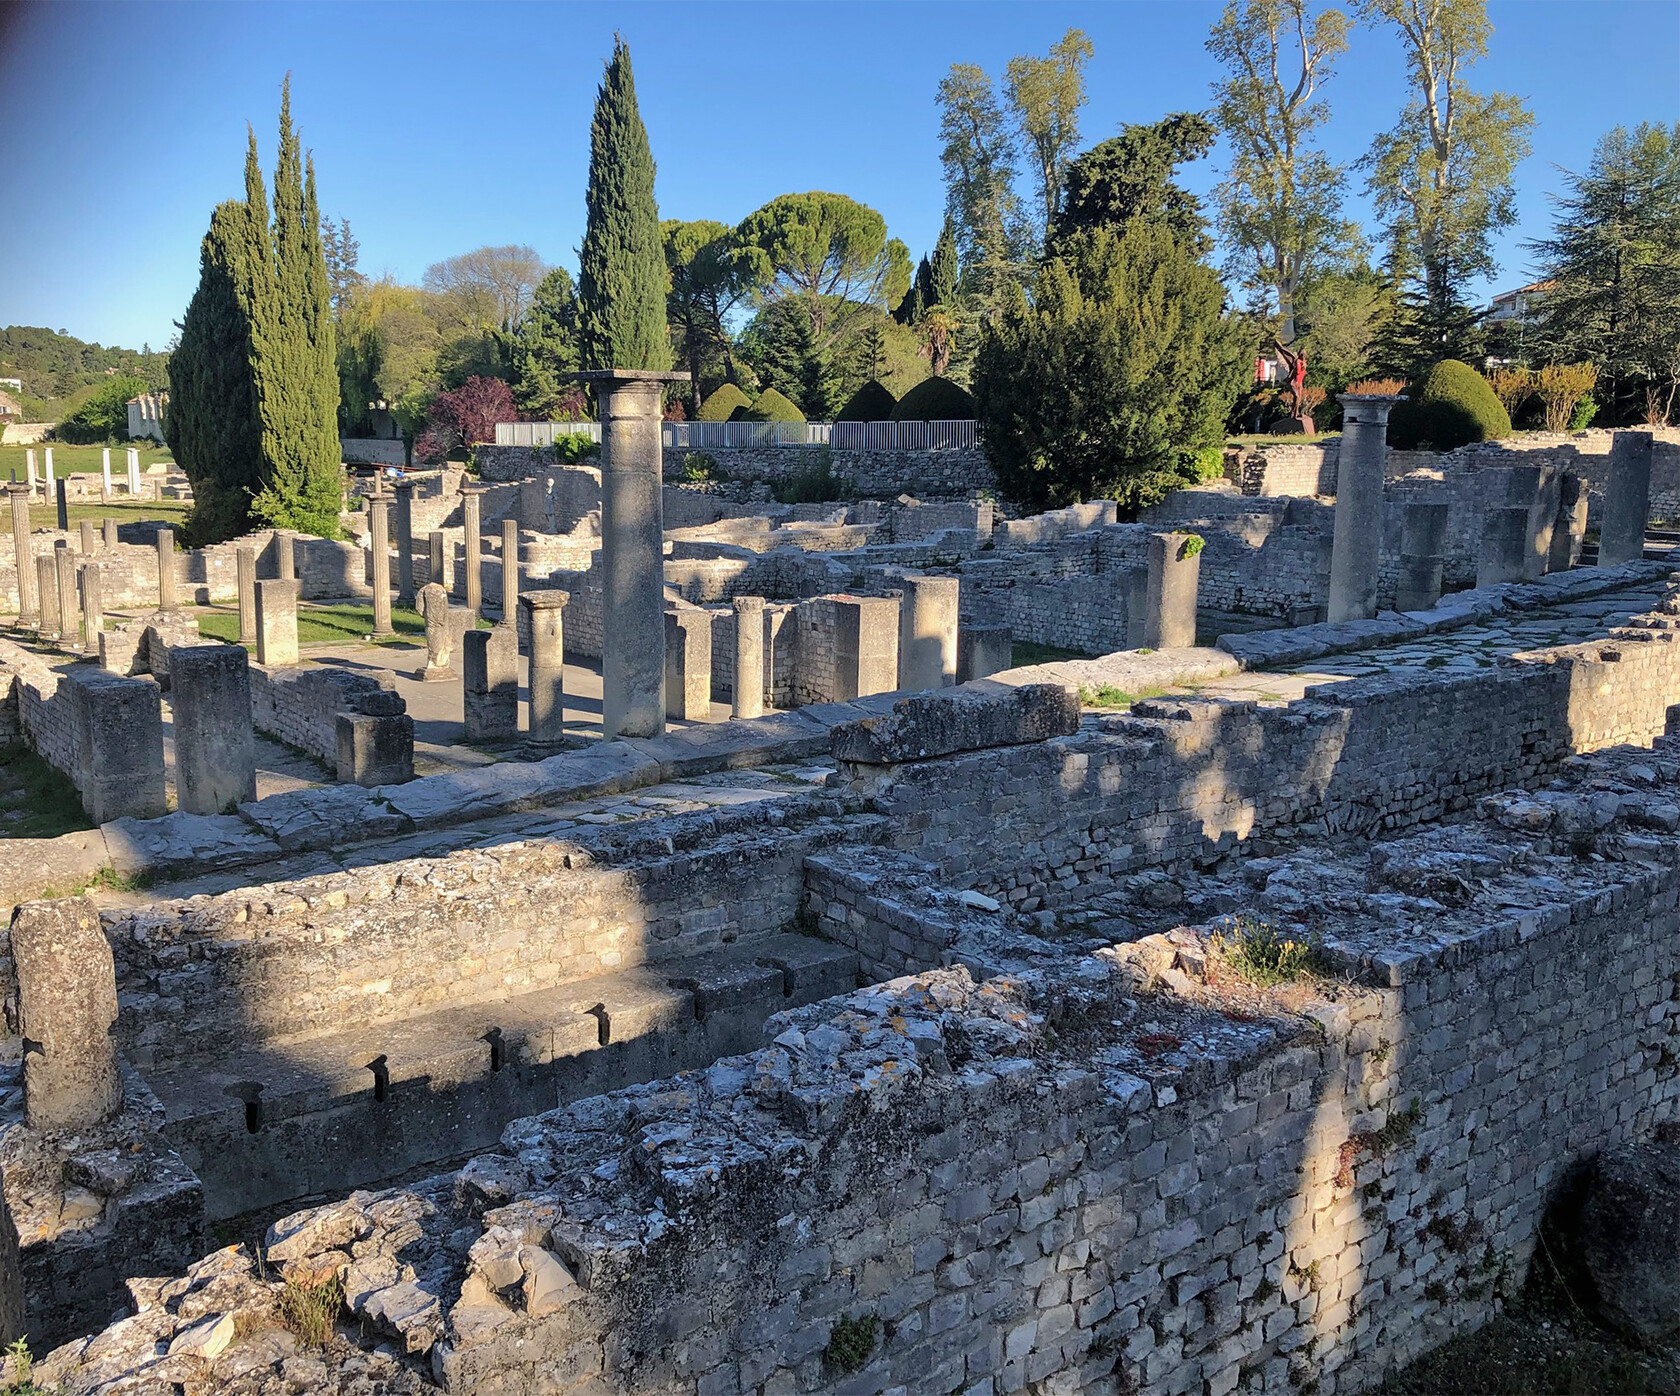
pixel 1183 779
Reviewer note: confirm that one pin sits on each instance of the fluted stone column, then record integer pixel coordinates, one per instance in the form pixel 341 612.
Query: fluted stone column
pixel 1627 499
pixel 69 606
pixel 93 604
pixel 632 551
pixel 379 548
pixel 166 569
pixel 474 580
pixel 545 622
pixel 245 570
pixel 1423 538
pixel 46 583
pixel 29 595
pixel 510 571
pixel 749 657
pixel 405 542
pixel 1359 487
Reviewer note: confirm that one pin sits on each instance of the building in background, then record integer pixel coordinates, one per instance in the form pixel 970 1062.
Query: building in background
pixel 145 415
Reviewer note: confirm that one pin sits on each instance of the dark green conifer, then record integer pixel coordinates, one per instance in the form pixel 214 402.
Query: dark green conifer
pixel 623 278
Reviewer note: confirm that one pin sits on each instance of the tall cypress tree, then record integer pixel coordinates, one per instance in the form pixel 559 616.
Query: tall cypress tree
pixel 623 279
pixel 212 424
pixel 297 379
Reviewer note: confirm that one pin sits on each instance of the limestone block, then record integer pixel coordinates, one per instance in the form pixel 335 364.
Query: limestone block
pixel 865 646
pixel 490 685
pixel 215 755
pixel 117 724
pixel 1175 566
pixel 983 650
pixel 688 664
pixel 375 748
pixel 276 620
pixel 968 718
pixel 927 633
pixel 67 1004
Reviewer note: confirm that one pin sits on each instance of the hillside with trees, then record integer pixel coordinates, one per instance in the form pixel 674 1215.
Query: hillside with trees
pixel 59 371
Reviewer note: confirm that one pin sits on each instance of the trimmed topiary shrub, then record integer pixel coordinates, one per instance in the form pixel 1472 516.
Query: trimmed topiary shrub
pixel 1454 406
pixel 771 406
pixel 870 403
pixel 934 400
pixel 720 403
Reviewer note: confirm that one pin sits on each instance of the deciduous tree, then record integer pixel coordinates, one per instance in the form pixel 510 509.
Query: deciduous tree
pixel 1045 95
pixel 1442 177
pixel 978 156
pixel 489 287
pixel 466 417
pixel 1280 205
pixel 707 282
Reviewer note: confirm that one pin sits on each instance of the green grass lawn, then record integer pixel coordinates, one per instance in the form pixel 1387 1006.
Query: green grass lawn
pixel 76 460
pixel 323 625
pixel 36 800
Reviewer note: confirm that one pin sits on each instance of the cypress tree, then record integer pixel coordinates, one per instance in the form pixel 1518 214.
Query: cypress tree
pixel 942 272
pixel 212 424
pixel 623 278
pixel 297 377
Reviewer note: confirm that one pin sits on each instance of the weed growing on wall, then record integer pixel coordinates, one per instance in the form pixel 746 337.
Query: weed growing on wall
pixel 310 1310
pixel 850 1342
pixel 1259 952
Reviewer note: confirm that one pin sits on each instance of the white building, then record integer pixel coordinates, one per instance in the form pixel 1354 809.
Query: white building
pixel 145 415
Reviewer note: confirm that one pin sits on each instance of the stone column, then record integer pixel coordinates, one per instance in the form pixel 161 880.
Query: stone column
pixel 29 595
pixel 438 557
pixel 1504 552
pixel 63 506
pixel 688 664
pixel 277 631
pixel 67 1006
pixel 632 551
pixel 245 570
pixel 1175 570
pixel 510 571
pixel 215 756
pixel 1423 540
pixel 93 604
pixel 1627 500
pixel 87 535
pixel 46 585
pixel 69 609
pixel 34 475
pixel 379 548
pixel 865 646
pixel 983 650
pixel 405 542
pixel 111 538
pixel 473 581
pixel 285 554
pixel 105 475
pixel 749 657
pixel 927 633
pixel 51 483
pixel 490 684
pixel 544 621
pixel 166 569
pixel 1570 527
pixel 133 473
pixel 1359 486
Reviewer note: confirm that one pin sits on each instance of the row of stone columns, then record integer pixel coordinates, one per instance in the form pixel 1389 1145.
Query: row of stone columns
pixel 50 484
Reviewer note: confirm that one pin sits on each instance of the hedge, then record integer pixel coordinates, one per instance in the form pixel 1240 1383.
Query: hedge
pixel 871 403
pixel 1454 406
pixel 934 400
pixel 720 403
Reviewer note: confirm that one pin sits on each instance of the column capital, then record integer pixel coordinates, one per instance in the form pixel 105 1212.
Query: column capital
pixel 19 487
pixel 545 600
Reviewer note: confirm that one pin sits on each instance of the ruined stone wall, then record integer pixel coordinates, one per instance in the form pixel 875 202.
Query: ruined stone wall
pixel 43 716
pixel 1069 590
pixel 1182 780
pixel 398 939
pixel 879 474
pixel 301 706
pixel 780 628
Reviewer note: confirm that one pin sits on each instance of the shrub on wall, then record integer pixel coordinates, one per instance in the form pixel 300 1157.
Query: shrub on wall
pixel 771 406
pixel 721 403
pixel 870 403
pixel 934 400
pixel 1454 407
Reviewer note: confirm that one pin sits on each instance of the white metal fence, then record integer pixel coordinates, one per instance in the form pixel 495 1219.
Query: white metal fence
pixel 734 436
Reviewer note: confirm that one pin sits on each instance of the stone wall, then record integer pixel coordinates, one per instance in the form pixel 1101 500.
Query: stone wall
pixel 301 706
pixel 1181 781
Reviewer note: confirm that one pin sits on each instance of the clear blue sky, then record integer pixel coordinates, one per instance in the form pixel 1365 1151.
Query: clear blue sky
pixel 439 128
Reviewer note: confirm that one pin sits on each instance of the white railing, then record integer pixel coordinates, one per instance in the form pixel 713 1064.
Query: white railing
pixel 543 433
pixel 735 436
